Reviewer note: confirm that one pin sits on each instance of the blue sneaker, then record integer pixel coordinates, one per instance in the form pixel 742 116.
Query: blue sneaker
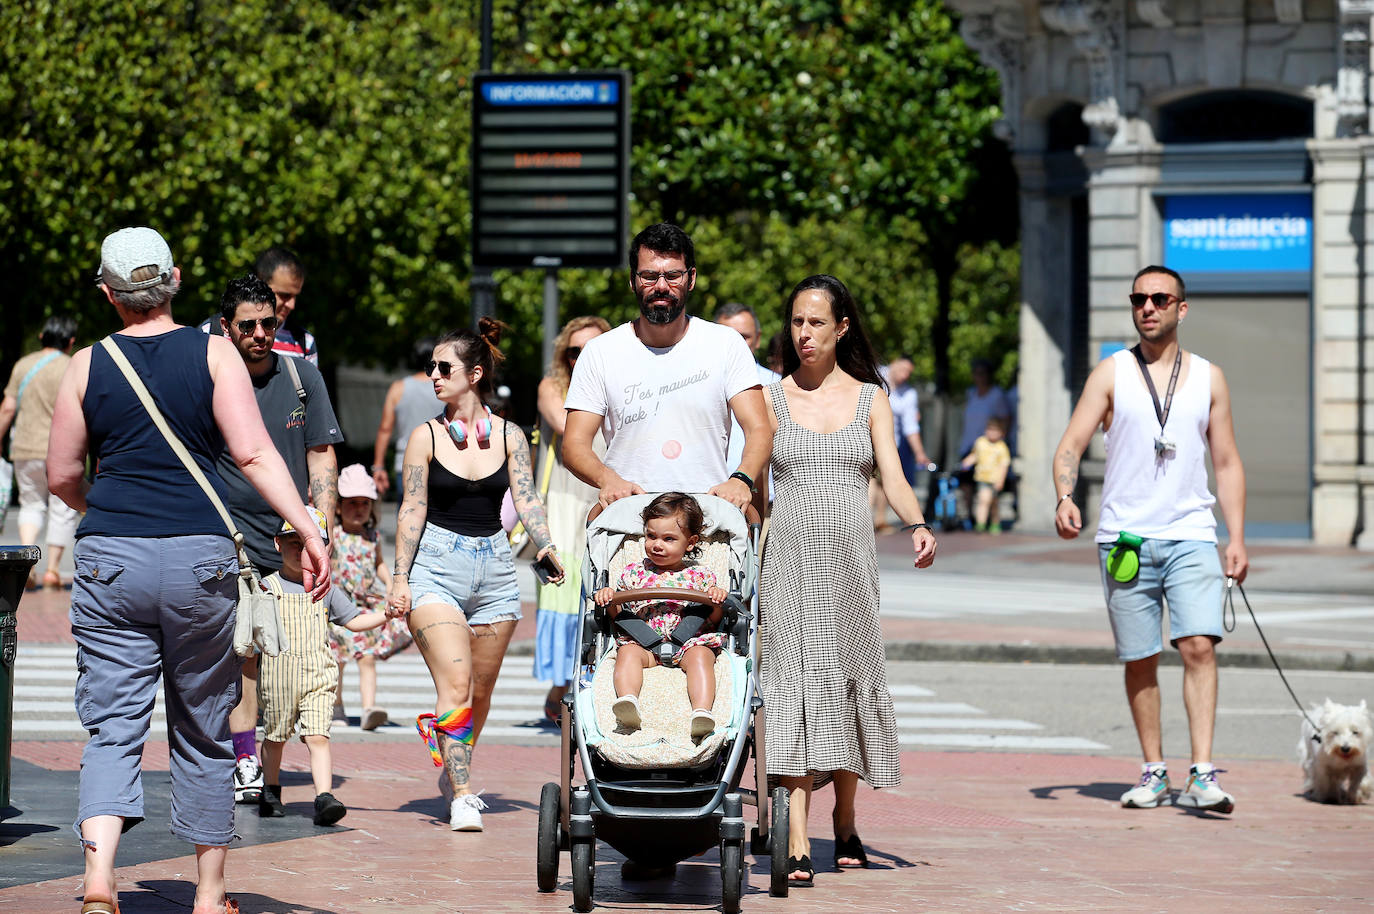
pixel 1203 792
pixel 1152 791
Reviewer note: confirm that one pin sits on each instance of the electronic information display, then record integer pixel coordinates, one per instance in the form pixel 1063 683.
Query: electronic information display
pixel 551 169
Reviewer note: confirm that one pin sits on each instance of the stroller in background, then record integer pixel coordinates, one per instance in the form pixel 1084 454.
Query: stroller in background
pixel 654 795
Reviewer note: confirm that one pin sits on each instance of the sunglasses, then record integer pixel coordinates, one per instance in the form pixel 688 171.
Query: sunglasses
pixel 1161 300
pixel 268 325
pixel 573 352
pixel 445 368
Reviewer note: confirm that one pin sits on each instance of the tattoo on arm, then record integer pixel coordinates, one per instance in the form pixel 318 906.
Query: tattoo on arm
pixel 1066 470
pixel 410 524
pixel 528 504
pixel 324 483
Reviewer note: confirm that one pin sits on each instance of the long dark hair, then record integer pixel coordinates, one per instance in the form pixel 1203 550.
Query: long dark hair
pixel 478 350
pixel 853 353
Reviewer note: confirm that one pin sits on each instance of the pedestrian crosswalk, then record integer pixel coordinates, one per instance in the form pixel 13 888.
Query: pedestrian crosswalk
pixel 45 679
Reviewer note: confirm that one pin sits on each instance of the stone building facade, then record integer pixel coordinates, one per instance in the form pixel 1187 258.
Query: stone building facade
pixel 1231 140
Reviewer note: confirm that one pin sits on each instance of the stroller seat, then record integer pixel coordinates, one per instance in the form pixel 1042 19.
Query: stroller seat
pixel 664 739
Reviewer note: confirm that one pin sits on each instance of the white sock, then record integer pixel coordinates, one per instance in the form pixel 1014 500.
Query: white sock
pixel 1153 766
pixel 1204 767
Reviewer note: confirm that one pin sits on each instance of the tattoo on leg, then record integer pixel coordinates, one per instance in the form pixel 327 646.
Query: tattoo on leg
pixel 457 760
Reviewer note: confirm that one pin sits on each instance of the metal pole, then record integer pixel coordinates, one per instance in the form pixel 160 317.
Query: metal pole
pixel 551 327
pixel 483 284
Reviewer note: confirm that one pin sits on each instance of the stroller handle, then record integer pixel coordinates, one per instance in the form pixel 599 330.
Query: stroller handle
pixel 681 594
pixel 751 514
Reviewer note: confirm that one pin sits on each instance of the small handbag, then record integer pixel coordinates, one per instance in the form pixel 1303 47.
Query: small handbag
pixel 257 625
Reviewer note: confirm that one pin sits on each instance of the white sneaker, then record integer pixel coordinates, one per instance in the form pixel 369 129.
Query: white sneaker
pixel 247 780
pixel 1203 792
pixel 464 813
pixel 1152 791
pixel 626 711
pixel 703 724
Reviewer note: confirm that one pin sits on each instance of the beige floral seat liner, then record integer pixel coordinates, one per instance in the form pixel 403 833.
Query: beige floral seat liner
pixel 664 740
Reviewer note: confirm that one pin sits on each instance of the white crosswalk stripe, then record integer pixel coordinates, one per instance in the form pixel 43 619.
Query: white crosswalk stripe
pixel 45 681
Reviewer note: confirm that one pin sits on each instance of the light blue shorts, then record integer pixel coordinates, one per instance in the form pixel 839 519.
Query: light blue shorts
pixel 1186 574
pixel 474 574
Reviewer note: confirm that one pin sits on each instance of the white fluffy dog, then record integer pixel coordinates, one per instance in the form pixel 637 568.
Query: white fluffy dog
pixel 1335 757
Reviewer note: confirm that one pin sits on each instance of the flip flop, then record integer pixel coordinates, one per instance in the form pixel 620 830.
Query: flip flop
pixel 851 848
pixel 802 864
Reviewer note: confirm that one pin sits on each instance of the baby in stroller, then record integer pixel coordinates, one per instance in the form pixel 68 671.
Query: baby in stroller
pixel 673 524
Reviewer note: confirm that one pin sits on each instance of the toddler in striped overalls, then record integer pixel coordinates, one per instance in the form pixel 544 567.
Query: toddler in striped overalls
pixel 297 686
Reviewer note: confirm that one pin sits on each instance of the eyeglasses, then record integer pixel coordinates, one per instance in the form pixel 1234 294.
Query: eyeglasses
pixel 649 277
pixel 445 368
pixel 268 325
pixel 573 352
pixel 1161 300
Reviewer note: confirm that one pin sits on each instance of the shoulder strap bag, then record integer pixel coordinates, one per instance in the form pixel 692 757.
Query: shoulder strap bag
pixel 257 626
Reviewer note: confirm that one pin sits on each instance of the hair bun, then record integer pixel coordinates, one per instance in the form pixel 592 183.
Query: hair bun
pixel 489 328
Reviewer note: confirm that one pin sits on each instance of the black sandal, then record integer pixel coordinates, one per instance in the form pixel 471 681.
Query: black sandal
pixel 851 848
pixel 802 864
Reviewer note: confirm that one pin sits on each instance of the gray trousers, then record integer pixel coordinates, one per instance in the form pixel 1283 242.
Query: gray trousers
pixel 146 609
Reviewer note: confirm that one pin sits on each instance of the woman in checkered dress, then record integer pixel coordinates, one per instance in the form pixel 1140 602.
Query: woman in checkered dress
pixel 830 717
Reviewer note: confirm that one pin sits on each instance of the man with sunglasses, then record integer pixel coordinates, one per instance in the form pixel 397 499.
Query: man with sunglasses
pixel 662 389
pixel 1161 410
pixel 285 275
pixel 295 408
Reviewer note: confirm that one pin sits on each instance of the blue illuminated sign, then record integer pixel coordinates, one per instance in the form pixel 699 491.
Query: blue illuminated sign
pixel 552 92
pixel 1238 233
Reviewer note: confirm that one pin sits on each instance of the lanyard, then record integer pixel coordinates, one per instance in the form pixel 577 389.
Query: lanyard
pixel 1161 413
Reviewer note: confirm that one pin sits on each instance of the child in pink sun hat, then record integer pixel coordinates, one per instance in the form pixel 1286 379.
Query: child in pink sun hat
pixel 360 571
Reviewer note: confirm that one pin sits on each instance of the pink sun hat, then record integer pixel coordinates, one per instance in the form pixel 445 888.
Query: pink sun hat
pixel 354 482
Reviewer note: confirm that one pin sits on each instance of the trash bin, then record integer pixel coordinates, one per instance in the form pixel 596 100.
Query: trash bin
pixel 15 562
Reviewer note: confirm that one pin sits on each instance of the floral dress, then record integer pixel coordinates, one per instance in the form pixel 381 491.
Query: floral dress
pixel 664 615
pixel 354 572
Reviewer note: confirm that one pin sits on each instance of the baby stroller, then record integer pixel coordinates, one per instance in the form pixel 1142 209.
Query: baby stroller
pixel 945 513
pixel 654 795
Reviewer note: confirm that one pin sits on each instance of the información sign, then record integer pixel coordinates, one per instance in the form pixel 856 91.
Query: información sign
pixel 551 169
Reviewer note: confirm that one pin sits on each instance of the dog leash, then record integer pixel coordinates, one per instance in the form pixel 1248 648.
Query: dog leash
pixel 1229 604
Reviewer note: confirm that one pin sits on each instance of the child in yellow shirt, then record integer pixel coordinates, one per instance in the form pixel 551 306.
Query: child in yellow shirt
pixel 990 459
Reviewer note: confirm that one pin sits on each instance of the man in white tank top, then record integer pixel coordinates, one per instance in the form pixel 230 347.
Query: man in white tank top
pixel 1161 410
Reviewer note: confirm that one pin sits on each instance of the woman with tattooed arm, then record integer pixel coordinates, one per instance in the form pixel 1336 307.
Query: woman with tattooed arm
pixel 455 577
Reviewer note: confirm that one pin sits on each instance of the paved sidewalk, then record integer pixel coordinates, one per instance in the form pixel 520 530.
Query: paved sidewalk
pixel 966 831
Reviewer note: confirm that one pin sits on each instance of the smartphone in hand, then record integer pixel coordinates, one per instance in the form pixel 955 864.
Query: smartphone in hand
pixel 545 569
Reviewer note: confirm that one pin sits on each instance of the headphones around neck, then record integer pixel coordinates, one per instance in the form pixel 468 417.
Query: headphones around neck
pixel 458 430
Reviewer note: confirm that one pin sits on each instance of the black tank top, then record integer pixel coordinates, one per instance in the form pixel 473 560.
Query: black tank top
pixel 468 507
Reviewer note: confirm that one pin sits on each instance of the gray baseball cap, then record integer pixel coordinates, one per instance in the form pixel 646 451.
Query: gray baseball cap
pixel 133 250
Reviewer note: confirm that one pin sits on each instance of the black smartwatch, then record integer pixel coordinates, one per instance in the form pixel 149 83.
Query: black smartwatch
pixel 744 478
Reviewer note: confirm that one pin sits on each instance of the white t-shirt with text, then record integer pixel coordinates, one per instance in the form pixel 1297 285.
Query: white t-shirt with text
pixel 665 412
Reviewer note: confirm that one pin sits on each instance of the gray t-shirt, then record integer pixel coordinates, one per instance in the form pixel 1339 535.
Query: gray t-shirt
pixel 341 609
pixel 294 429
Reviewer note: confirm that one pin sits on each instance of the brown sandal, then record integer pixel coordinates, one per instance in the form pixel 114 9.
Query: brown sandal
pixel 99 907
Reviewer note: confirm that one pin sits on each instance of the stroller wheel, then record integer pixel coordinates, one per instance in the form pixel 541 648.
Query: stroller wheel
pixel 546 853
pixel 777 834
pixel 731 876
pixel 583 873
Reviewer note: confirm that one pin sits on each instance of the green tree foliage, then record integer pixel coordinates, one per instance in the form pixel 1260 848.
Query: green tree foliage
pixel 788 137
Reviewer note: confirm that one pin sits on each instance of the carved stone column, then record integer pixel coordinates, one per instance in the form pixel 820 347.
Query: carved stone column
pixel 1352 59
pixel 1098 28
pixel 998 34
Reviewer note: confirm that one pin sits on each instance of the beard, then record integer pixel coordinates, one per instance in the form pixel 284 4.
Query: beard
pixel 663 309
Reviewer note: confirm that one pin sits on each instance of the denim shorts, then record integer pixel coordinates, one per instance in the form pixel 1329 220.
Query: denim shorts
pixel 1186 574
pixel 474 574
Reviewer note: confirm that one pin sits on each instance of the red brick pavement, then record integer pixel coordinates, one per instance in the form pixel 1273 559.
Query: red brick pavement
pixel 966 831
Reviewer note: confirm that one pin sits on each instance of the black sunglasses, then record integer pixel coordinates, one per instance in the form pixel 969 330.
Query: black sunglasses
pixel 573 352
pixel 445 368
pixel 268 325
pixel 1161 300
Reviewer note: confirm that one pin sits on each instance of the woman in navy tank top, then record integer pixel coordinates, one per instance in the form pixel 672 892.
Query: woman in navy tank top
pixel 455 576
pixel 155 590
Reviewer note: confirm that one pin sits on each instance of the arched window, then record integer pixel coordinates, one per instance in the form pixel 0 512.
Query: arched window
pixel 1065 130
pixel 1235 116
